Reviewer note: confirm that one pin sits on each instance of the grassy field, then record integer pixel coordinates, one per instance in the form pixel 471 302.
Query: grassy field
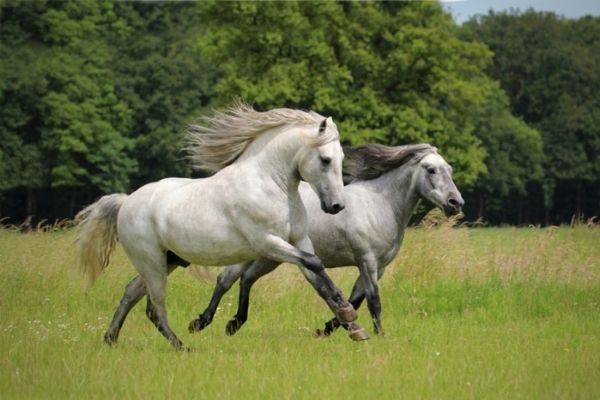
pixel 469 313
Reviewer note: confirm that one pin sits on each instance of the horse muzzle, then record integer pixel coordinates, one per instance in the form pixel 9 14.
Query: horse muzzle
pixel 453 206
pixel 333 208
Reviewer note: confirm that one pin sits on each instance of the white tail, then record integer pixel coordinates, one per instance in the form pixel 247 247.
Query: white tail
pixel 97 235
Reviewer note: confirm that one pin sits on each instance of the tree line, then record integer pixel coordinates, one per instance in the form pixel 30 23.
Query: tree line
pixel 95 96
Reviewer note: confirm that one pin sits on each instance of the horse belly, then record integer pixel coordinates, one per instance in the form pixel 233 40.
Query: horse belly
pixel 214 255
pixel 331 246
pixel 209 245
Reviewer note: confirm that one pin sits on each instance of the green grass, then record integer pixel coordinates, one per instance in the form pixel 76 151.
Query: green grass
pixel 468 313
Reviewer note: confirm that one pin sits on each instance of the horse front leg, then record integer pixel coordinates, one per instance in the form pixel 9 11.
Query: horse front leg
pixel 366 286
pixel 275 248
pixel 347 315
pixel 224 282
pixel 356 298
pixel 369 275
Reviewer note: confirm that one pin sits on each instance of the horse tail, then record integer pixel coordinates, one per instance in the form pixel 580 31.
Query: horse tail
pixel 97 235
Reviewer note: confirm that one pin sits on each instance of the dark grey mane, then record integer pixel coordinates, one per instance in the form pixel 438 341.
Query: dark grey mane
pixel 373 160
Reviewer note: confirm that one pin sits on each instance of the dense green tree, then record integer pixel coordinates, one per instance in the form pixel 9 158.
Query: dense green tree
pixel 22 83
pixel 164 81
pixel 549 68
pixel 84 122
pixel 514 160
pixel 63 123
pixel 388 72
pixel 94 98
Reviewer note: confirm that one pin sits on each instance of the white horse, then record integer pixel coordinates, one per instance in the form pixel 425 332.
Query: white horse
pixel 249 209
pixel 385 184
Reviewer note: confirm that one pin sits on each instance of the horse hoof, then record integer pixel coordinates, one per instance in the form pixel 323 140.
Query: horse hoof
pixel 197 325
pixel 182 348
pixel 347 313
pixel 109 339
pixel 232 327
pixel 357 333
pixel 319 333
pixel 194 326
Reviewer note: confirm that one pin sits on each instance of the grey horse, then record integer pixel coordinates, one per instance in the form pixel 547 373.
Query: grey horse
pixel 384 184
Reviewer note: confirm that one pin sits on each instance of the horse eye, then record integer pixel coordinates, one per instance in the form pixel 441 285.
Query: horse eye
pixel 326 160
pixel 431 170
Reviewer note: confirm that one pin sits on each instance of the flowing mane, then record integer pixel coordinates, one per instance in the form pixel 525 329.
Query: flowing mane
pixel 226 135
pixel 373 160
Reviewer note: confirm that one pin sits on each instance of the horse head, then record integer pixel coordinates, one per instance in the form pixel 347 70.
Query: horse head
pixel 433 177
pixel 320 165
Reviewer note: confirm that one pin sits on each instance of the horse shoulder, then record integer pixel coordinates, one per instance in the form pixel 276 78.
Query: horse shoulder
pixel 253 202
pixel 371 224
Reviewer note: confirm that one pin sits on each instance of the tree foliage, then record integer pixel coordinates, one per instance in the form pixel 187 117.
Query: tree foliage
pixel 94 96
pixel 74 125
pixel 163 79
pixel 514 157
pixel 388 72
pixel 548 66
pixel 21 85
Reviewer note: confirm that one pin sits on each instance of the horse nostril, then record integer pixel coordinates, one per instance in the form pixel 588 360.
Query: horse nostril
pixel 336 208
pixel 454 203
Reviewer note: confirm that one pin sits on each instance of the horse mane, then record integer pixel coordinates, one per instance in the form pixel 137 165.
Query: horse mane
pixel 225 136
pixel 373 160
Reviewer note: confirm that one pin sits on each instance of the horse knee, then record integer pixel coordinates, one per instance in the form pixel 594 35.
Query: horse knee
pixel 312 263
pixel 224 281
pixel 134 291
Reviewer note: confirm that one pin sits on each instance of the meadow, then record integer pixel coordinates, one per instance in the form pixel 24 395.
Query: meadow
pixel 468 313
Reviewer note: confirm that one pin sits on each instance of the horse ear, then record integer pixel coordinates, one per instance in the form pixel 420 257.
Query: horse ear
pixel 323 126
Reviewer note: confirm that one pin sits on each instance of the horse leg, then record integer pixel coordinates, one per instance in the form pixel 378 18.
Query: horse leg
pixel 134 291
pixel 343 310
pixel 152 265
pixel 373 302
pixel 368 277
pixel 224 282
pixel 156 282
pixel 356 332
pixel 249 276
pixel 356 298
pixel 275 248
pixel 150 309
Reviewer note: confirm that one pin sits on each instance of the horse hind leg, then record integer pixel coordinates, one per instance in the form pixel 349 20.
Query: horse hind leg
pixel 224 282
pixel 150 309
pixel 258 269
pixel 134 291
pixel 151 263
pixel 156 286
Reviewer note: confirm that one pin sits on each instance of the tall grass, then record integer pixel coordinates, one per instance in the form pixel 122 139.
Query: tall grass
pixel 468 313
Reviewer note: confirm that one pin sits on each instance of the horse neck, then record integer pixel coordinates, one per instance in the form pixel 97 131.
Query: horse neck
pixel 399 188
pixel 275 153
